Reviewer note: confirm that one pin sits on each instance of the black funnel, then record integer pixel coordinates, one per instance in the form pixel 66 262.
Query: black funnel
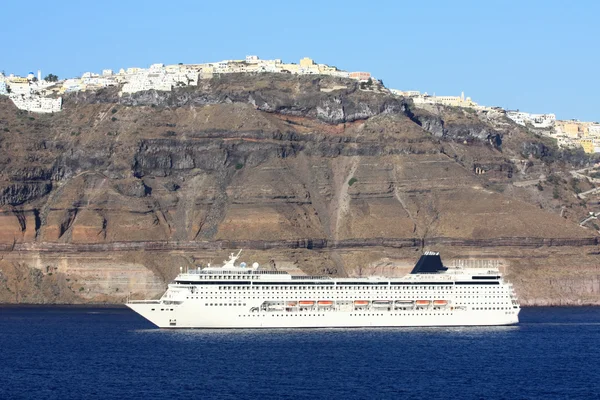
pixel 429 263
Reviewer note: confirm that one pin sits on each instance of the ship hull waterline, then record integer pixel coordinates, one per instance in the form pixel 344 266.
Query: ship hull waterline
pixel 186 318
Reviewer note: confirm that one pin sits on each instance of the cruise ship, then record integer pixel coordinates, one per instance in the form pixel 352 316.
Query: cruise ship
pixel 242 296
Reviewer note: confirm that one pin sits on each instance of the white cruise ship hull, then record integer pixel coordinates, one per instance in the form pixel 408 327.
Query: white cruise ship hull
pixel 240 297
pixel 197 316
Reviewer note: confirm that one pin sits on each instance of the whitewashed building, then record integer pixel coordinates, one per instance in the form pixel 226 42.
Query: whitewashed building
pixel 72 85
pixel 537 120
pixel 594 130
pixel 36 103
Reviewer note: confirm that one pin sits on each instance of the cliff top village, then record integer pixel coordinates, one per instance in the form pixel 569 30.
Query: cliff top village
pixel 34 94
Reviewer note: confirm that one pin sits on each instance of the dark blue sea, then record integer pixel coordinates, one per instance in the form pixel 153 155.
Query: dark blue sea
pixel 109 353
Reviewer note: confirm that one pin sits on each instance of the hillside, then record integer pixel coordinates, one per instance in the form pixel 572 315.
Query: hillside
pixel 114 194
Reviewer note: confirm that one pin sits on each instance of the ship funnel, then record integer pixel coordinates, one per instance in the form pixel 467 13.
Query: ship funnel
pixel 429 263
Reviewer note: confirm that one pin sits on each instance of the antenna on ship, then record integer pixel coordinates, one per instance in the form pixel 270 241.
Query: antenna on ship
pixel 232 259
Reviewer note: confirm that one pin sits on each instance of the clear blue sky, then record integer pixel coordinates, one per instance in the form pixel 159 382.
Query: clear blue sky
pixel 537 56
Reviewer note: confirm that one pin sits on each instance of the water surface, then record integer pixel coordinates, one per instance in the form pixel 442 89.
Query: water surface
pixel 100 353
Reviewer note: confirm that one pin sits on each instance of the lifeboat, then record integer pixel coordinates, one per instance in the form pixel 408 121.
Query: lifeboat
pixel 361 302
pixel 403 303
pixel 291 304
pixel 381 303
pixel 325 302
pixel 440 302
pixel 306 303
pixel 423 302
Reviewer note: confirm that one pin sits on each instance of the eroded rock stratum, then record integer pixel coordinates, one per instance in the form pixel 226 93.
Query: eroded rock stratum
pixel 113 195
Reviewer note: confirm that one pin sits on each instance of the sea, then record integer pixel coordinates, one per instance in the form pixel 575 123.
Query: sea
pixel 59 352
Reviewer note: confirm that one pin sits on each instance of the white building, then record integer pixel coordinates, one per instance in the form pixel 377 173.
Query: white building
pixel 20 88
pixel 72 85
pixel 157 67
pixel 518 117
pixel 97 82
pixel 542 120
pixel 148 82
pixel 537 120
pixel 340 74
pixel 406 93
pixel 36 103
pixel 594 130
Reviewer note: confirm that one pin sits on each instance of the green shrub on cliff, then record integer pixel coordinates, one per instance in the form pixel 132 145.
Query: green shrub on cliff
pixel 51 78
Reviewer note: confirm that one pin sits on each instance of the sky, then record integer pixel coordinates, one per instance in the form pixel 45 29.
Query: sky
pixel 535 56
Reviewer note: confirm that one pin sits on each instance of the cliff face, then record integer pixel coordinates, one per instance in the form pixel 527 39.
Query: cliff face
pixel 114 194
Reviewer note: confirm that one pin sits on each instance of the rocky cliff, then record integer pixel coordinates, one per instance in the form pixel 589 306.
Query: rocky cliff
pixel 114 194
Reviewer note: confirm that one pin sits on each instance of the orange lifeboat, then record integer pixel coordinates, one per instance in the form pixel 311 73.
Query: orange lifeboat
pixel 291 304
pixel 361 302
pixel 325 302
pixel 440 302
pixel 422 302
pixel 306 303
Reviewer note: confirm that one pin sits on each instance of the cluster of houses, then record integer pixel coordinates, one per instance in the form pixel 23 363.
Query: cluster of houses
pixel 419 98
pixel 568 133
pixel 34 94
pixel 30 93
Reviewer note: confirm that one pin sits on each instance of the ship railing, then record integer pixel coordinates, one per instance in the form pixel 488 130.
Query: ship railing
pixel 143 302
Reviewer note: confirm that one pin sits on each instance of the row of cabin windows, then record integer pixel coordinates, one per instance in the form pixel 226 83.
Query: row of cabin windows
pixel 356 296
pixel 333 297
pixel 396 288
pixel 337 294
pixel 354 293
pixel 352 315
pixel 282 315
pixel 221 277
pixel 224 304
